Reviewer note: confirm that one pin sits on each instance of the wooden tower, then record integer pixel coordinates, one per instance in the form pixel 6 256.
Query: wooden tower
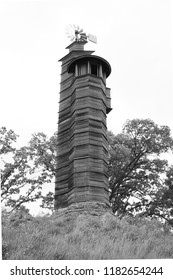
pixel 82 148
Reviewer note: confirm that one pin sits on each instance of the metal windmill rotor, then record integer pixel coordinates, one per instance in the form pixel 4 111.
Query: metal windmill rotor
pixel 75 33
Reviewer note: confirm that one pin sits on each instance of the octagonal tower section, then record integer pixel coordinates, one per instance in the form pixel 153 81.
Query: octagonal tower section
pixel 82 147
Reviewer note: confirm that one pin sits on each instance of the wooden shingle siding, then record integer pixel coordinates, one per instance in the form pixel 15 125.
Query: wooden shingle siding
pixel 82 148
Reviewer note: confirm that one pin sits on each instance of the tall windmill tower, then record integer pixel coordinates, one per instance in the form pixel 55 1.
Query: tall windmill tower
pixel 82 148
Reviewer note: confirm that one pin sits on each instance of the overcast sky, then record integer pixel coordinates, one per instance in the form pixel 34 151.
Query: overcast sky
pixel 133 35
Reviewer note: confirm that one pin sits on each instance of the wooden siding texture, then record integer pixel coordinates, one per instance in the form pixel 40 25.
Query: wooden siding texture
pixel 81 172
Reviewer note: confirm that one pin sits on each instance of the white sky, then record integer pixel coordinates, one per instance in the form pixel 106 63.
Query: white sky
pixel 133 35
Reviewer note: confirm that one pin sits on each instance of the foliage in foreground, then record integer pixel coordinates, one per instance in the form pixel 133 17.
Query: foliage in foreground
pixel 83 236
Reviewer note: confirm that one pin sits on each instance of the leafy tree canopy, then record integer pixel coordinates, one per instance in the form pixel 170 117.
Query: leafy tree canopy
pixel 139 178
pixel 26 170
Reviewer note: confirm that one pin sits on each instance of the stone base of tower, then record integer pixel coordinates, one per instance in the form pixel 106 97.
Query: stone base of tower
pixel 82 195
pixel 90 207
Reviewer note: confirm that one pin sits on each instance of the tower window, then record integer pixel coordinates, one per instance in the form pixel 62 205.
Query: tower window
pixel 94 69
pixel 82 69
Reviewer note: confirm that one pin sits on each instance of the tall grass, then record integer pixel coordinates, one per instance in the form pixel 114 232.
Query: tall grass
pixel 82 235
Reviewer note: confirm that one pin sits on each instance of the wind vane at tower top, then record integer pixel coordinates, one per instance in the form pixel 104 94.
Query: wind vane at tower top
pixel 75 33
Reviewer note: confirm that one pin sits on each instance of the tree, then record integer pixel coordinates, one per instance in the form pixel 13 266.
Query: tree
pixel 26 171
pixel 162 204
pixel 136 171
pixel 7 138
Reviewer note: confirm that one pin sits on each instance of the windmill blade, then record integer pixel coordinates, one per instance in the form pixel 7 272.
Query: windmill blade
pixel 80 30
pixel 75 27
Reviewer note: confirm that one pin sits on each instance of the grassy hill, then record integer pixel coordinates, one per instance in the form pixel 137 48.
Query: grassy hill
pixel 83 231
